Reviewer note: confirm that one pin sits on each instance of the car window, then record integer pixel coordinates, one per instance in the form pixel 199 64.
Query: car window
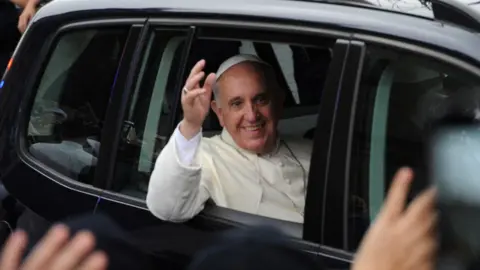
pixel 71 99
pixel 401 94
pixel 147 125
pixel 301 70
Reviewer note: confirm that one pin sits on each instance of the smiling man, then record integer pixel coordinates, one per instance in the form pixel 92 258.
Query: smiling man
pixel 248 167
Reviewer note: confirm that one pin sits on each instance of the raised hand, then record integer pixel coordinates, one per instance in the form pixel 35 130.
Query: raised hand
pixel 401 238
pixel 27 15
pixel 196 100
pixel 54 252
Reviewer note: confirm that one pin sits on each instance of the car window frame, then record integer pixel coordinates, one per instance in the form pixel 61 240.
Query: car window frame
pixel 132 71
pixel 427 51
pixel 225 218
pixel 27 103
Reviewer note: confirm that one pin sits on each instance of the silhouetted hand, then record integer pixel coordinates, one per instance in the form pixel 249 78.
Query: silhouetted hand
pixel 27 15
pixel 54 252
pixel 400 238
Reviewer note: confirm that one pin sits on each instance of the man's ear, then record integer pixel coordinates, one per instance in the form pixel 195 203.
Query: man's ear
pixel 218 111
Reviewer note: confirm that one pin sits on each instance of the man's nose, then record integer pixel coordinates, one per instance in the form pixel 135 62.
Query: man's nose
pixel 251 113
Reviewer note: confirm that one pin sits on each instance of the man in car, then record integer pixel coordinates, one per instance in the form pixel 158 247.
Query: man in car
pixel 248 167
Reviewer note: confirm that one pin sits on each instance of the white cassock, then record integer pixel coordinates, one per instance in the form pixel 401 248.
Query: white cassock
pixel 189 172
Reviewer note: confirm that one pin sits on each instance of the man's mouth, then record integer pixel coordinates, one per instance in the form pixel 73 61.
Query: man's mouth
pixel 254 127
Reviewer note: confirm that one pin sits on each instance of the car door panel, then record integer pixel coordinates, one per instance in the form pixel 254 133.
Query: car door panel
pixel 172 243
pixel 316 219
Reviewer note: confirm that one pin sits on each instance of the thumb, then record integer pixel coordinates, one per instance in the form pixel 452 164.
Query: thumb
pixel 397 195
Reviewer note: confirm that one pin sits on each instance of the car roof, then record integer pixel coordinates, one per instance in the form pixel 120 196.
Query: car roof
pixel 414 7
pixel 368 18
pixel 417 7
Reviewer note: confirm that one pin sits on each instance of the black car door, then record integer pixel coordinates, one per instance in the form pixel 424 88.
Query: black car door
pixel 398 88
pixel 148 111
pixel 140 121
pixel 54 111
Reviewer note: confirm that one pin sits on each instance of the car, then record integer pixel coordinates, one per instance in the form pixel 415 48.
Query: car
pixel 91 95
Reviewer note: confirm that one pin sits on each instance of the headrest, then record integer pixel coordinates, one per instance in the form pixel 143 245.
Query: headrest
pixel 237 59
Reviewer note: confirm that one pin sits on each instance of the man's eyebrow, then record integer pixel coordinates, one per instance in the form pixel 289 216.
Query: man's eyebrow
pixel 234 99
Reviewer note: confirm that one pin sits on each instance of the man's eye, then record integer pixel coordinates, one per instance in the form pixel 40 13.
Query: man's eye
pixel 236 104
pixel 262 100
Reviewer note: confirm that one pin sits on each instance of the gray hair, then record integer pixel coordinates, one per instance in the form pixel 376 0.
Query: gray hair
pixel 216 93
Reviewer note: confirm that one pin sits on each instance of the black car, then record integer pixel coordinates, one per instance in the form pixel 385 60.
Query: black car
pixel 92 96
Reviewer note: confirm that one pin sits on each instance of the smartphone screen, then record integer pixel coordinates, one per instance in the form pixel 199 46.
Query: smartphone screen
pixel 455 171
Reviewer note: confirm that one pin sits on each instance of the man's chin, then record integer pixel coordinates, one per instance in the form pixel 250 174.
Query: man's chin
pixel 255 146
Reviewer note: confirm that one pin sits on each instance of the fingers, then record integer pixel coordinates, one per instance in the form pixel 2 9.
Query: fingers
pixel 23 21
pixel 193 81
pixel 13 251
pixel 192 94
pixel 76 250
pixel 21 24
pixel 422 231
pixel 54 253
pixel 196 92
pixel 422 206
pixel 397 195
pixel 197 68
pixel 47 247
pixel 97 261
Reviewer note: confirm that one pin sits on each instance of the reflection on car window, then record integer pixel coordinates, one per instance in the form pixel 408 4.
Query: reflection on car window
pixel 67 115
pixel 401 96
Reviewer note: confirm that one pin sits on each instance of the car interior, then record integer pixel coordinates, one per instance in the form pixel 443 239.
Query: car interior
pixel 300 70
pixel 74 87
pixel 293 66
pixel 407 94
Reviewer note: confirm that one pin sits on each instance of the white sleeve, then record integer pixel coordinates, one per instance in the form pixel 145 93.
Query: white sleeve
pixel 177 191
pixel 186 149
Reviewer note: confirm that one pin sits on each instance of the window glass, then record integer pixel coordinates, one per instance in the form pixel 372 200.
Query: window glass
pixel 400 96
pixel 149 122
pixel 71 101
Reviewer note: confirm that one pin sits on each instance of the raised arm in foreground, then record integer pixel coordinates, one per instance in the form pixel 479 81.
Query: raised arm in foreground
pixel 176 192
